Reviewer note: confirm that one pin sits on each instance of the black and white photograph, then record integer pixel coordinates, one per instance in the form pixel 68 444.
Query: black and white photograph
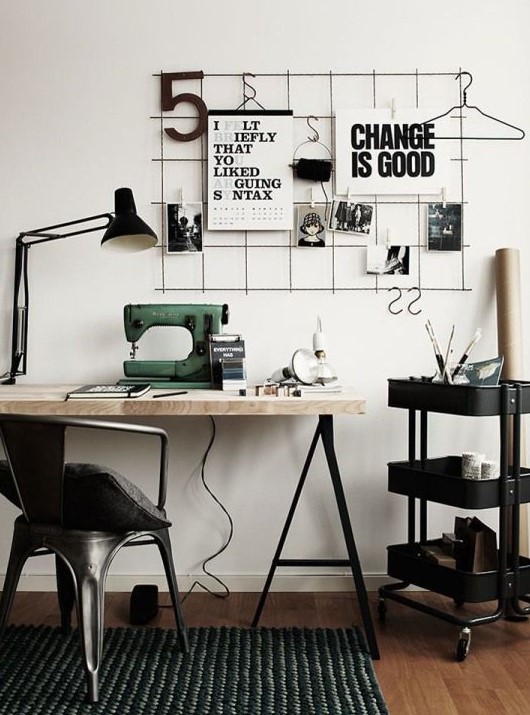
pixel 311 226
pixel 444 227
pixel 351 217
pixel 388 260
pixel 184 228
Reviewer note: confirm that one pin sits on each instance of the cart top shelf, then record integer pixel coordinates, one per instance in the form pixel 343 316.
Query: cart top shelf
pixel 509 397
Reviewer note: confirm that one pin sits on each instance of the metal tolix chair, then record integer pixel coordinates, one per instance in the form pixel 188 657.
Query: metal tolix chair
pixel 83 513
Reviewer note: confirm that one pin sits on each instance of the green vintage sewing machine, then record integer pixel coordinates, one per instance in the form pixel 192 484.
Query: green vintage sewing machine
pixel 192 372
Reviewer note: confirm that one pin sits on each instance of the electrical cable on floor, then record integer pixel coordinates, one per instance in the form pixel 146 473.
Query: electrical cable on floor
pixel 198 584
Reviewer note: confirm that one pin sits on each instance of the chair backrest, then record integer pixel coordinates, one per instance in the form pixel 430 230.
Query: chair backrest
pixel 76 496
pixel 35 450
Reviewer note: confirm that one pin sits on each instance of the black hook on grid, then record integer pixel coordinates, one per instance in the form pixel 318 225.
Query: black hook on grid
pixel 316 136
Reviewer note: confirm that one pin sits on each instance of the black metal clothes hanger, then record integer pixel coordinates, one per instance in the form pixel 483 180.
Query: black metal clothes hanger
pixel 314 169
pixel 249 97
pixel 465 105
pixel 315 139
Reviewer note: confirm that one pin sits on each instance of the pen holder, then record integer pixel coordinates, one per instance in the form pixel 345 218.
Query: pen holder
pixel 459 379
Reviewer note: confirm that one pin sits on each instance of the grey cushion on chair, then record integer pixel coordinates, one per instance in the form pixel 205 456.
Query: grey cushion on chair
pixel 97 498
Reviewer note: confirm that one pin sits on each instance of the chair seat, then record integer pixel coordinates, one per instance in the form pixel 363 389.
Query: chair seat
pixel 97 498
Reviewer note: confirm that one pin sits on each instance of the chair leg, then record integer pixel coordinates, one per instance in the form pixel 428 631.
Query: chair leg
pixel 90 559
pixel 22 546
pixel 65 593
pixel 90 610
pixel 164 546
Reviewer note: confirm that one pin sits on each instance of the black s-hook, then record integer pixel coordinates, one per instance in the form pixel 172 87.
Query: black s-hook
pixel 414 312
pixel 395 312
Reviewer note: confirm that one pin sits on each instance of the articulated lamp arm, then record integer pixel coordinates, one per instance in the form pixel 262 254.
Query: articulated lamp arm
pixel 124 230
pixel 19 329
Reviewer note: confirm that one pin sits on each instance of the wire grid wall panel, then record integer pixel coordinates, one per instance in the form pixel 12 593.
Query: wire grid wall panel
pixel 270 260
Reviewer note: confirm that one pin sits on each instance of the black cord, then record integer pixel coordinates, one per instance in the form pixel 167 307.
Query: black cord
pixel 198 584
pixel 327 202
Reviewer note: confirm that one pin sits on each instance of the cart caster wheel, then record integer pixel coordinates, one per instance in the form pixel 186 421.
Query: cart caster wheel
pixel 381 609
pixel 464 643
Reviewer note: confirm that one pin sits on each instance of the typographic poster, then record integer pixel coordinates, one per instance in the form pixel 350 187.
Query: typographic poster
pixel 377 153
pixel 250 177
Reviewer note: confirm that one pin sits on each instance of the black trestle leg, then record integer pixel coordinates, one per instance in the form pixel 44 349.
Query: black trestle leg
pixel 324 432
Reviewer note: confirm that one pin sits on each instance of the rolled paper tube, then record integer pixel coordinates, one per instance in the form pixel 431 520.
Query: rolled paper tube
pixel 509 318
pixel 510 345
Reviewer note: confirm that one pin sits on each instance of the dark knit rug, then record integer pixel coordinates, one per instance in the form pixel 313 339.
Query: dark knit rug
pixel 265 671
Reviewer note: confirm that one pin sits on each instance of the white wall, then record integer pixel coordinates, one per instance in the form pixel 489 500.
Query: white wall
pixel 77 92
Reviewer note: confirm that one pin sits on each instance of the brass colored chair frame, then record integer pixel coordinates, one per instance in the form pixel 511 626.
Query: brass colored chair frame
pixel 35 450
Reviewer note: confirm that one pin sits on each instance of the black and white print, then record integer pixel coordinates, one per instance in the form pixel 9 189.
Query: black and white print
pixel 388 260
pixel 311 226
pixel 351 217
pixel 444 227
pixel 184 228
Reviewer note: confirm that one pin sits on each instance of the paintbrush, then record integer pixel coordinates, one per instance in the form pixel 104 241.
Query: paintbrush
pixel 436 347
pixel 467 351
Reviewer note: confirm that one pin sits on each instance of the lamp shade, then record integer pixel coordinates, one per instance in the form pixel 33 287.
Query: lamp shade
pixel 127 231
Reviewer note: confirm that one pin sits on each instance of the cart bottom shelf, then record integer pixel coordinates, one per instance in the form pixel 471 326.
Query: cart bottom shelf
pixel 407 563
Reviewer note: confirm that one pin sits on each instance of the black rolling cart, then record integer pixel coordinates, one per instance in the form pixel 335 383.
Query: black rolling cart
pixel 439 480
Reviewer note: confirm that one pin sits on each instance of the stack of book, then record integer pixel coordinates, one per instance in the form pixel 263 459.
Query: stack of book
pixel 227 358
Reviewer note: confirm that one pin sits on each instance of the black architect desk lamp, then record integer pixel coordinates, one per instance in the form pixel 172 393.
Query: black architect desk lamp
pixel 125 231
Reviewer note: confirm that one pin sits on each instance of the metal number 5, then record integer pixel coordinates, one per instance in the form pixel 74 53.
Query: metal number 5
pixel 169 102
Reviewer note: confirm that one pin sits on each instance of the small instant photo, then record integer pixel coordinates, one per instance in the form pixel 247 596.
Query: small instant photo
pixel 444 227
pixel 388 260
pixel 310 226
pixel 184 228
pixel 351 217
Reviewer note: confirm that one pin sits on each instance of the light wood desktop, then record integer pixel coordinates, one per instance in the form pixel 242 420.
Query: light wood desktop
pixel 50 400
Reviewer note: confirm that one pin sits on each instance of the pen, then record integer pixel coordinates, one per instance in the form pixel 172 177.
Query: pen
pixel 170 394
pixel 467 351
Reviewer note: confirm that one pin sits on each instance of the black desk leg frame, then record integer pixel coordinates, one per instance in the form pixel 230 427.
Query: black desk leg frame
pixel 324 431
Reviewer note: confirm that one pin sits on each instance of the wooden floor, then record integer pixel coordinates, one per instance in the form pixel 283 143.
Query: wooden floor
pixel 417 672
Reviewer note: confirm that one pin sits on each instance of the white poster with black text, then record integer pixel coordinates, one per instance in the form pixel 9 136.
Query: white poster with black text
pixel 377 153
pixel 250 177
